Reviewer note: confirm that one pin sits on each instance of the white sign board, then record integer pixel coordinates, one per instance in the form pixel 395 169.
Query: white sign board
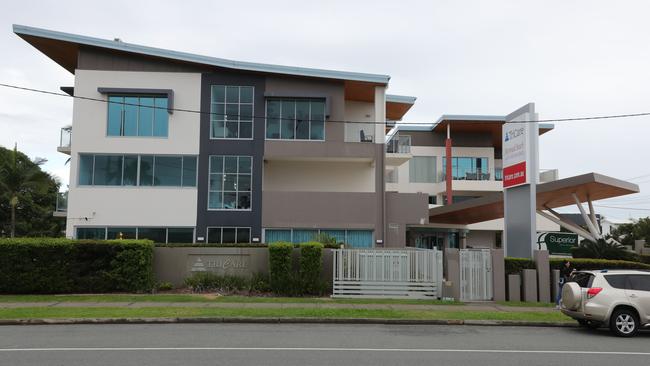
pixel 516 154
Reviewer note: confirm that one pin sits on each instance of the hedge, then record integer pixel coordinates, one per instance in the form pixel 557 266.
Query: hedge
pixel 311 266
pixel 280 269
pixel 234 245
pixel 52 265
pixel 515 265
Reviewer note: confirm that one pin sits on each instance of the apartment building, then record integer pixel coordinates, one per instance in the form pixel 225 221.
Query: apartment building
pixel 183 148
pixel 476 171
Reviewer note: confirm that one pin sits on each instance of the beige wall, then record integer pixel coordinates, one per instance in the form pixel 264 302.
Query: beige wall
pixel 481 239
pixel 403 209
pixel 337 210
pixel 359 111
pixel 318 176
pixel 132 205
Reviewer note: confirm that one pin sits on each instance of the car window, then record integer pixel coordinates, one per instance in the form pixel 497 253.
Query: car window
pixel 616 281
pixel 583 279
pixel 639 282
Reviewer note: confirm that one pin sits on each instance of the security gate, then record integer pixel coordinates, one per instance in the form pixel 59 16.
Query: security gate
pixel 385 273
pixel 475 275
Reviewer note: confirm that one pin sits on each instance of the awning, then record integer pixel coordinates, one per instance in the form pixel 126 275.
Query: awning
pixel 559 193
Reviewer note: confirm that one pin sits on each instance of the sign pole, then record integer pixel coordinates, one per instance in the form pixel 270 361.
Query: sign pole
pixel 520 176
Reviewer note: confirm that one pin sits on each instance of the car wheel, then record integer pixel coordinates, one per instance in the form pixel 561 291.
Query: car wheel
pixel 624 323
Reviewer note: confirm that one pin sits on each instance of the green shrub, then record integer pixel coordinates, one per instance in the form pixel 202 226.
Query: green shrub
pixel 49 265
pixel 208 281
pixel 601 249
pixel 260 283
pixel 311 266
pixel 281 276
pixel 581 264
pixel 644 259
pixel 515 265
pixel 164 286
pixel 330 245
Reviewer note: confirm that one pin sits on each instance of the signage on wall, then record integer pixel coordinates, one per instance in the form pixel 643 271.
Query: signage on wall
pixel 557 243
pixel 516 154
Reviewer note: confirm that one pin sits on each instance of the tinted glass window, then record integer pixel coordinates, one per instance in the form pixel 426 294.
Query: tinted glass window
pixel 120 233
pixel 639 282
pixel 158 235
pixel 146 170
pixel 86 169
pixel 189 171
pixel 583 279
pixel 108 170
pixel 91 233
pixel 130 170
pixel 616 281
pixel 167 171
pixel 180 235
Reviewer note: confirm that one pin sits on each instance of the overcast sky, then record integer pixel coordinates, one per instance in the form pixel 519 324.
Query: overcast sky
pixel 572 58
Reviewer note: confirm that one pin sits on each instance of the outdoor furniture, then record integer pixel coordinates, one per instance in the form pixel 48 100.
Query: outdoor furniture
pixel 363 137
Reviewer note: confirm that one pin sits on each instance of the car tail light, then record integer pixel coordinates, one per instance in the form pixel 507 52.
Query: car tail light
pixel 593 292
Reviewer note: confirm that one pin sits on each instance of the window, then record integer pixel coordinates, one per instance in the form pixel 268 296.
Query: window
pixel 180 235
pixel 137 116
pixel 422 169
pixel 155 234
pixel 458 199
pixel 227 235
pixel 616 281
pixel 353 238
pixel 639 282
pixel 295 119
pixel 498 174
pixel 229 187
pixel 121 233
pixel 94 233
pixel 433 199
pixel 231 111
pixel 466 168
pixel 122 170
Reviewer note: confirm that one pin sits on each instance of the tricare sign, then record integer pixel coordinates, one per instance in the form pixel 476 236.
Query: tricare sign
pixel 516 154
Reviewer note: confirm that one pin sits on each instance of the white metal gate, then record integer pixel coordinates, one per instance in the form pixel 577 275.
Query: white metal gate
pixel 386 273
pixel 475 275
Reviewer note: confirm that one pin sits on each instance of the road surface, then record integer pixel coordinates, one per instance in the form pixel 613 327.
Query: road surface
pixel 309 344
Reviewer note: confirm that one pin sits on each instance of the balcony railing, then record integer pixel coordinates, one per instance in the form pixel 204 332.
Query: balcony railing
pixel 399 145
pixel 477 175
pixel 62 202
pixel 65 140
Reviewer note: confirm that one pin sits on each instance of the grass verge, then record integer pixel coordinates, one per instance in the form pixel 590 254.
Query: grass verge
pixel 208 298
pixel 527 304
pixel 187 312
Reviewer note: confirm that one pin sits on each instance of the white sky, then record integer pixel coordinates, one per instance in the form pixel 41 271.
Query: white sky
pixel 572 58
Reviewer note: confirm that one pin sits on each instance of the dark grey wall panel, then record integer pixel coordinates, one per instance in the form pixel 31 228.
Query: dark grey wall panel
pixel 254 148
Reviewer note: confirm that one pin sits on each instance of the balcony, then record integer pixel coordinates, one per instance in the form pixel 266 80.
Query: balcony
pixel 398 149
pixel 61 205
pixel 65 140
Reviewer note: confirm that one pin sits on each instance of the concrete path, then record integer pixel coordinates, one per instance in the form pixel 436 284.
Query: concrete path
pixel 272 305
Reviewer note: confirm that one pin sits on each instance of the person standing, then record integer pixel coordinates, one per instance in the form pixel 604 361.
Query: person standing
pixel 565 273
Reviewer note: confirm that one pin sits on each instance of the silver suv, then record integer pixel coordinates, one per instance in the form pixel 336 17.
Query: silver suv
pixel 619 299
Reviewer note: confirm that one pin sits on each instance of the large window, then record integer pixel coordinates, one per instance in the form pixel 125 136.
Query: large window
pixel 422 169
pixel 352 238
pixel 295 119
pixel 466 168
pixel 137 116
pixel 231 110
pixel 156 234
pixel 220 235
pixel 230 182
pixel 137 170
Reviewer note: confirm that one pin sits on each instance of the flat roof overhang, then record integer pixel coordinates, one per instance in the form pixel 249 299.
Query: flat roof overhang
pixel 480 124
pixel 559 193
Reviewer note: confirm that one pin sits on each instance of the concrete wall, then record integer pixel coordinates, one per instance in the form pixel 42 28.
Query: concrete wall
pixel 175 264
pixel 338 210
pixel 318 176
pixel 403 209
pixel 132 206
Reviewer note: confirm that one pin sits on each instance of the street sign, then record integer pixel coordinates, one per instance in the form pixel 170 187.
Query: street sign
pixel 557 243
pixel 516 154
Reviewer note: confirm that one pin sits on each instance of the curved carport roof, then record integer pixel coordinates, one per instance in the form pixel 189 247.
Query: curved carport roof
pixel 559 193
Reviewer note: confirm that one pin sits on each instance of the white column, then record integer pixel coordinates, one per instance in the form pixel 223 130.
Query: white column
pixel 380 114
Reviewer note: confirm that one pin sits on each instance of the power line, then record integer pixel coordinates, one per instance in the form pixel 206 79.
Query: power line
pixel 629 115
pixel 640 176
pixel 625 208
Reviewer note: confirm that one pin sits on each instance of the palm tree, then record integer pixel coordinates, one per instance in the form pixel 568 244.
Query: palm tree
pixel 19 177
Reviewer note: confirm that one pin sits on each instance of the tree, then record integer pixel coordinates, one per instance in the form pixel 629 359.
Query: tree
pixel 626 234
pixel 602 249
pixel 27 196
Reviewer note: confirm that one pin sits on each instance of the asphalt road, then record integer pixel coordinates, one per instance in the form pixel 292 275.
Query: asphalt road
pixel 307 344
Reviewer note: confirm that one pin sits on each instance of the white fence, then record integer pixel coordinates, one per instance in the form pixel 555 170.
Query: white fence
pixel 475 275
pixel 373 273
